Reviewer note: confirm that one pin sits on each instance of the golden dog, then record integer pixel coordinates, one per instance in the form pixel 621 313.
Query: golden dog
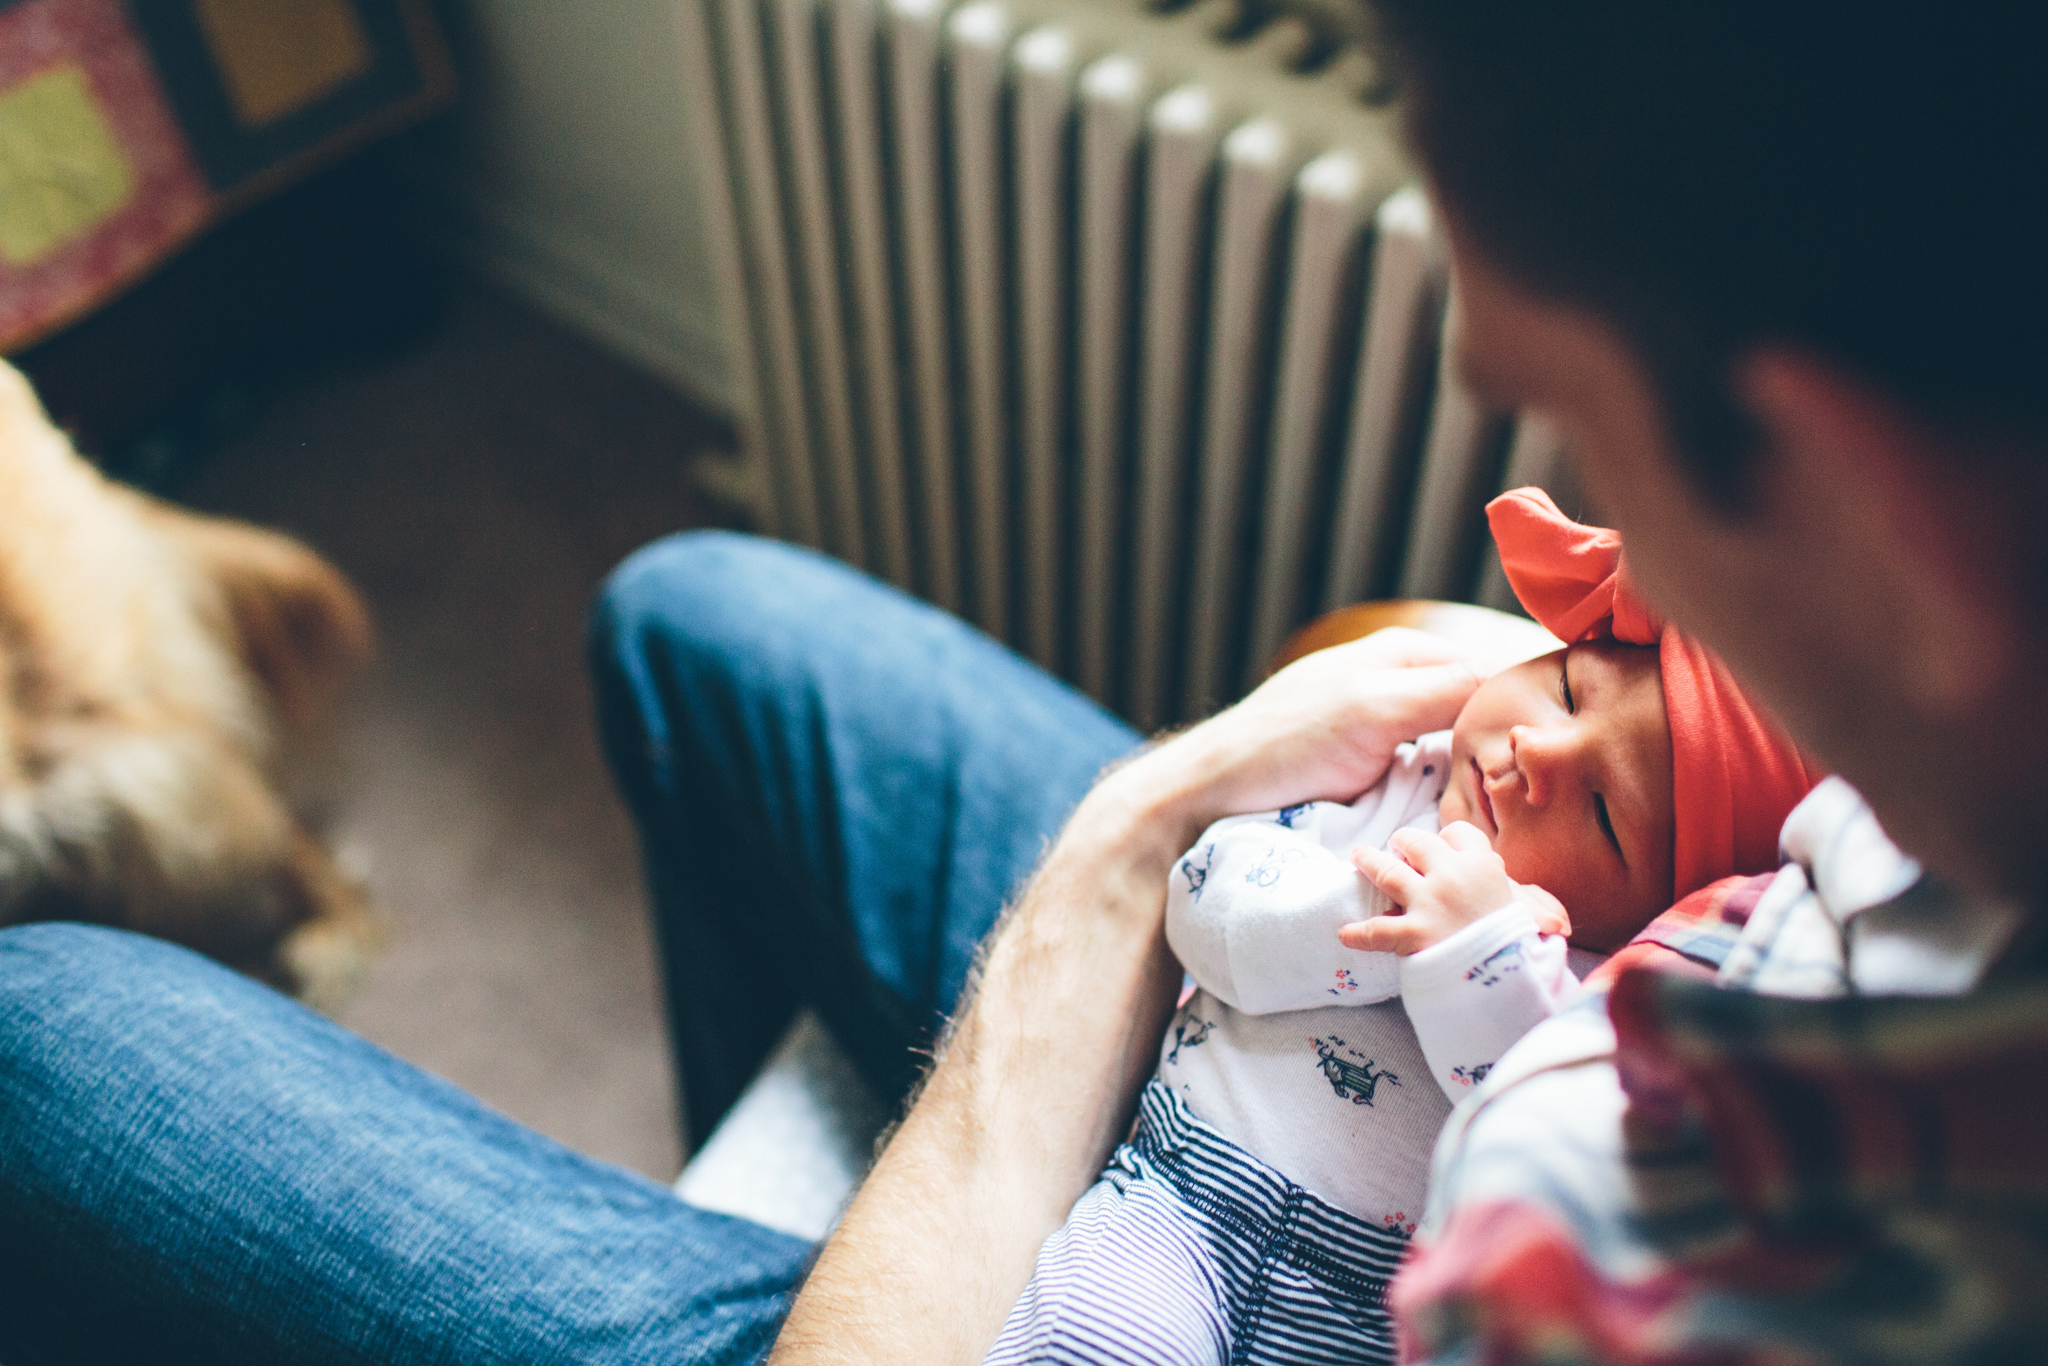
pixel 151 661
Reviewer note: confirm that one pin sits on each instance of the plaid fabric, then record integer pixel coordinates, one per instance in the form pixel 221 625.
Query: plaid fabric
pixel 1702 1174
pixel 1861 1161
pixel 1522 1263
pixel 1694 937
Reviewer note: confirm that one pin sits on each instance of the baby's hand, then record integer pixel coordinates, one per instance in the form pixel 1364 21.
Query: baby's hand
pixel 1442 883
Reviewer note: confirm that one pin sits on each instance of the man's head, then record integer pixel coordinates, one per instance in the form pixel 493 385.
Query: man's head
pixel 1776 271
pixel 1564 763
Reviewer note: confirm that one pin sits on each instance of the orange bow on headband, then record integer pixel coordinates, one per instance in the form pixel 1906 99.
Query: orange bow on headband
pixel 1734 774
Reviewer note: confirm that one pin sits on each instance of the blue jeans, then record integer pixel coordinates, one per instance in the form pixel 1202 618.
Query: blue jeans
pixel 836 788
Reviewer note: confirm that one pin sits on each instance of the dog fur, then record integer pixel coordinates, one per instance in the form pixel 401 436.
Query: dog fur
pixel 151 663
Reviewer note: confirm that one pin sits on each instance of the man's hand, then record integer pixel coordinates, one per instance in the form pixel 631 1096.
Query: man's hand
pixel 1323 728
pixel 1443 883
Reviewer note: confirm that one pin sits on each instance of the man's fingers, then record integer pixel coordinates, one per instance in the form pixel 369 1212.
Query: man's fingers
pixel 1465 837
pixel 1428 696
pixel 1415 681
pixel 1400 882
pixel 1406 647
pixel 1383 934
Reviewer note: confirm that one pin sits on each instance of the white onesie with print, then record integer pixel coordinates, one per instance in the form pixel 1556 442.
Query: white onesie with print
pixel 1336 1066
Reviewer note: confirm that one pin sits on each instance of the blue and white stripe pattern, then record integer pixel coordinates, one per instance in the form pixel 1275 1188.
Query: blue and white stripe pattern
pixel 1190 1250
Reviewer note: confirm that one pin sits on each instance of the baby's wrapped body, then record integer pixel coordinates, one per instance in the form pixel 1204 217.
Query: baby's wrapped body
pixel 1282 1151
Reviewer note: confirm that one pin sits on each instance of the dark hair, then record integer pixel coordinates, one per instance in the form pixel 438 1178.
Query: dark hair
pixel 1866 179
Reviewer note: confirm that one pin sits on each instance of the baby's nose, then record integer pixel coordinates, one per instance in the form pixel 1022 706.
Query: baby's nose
pixel 1544 756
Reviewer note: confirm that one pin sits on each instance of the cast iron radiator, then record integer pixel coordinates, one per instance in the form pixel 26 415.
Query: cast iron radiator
pixel 1117 328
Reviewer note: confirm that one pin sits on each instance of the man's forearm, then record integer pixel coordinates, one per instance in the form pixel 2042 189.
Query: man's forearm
pixel 1033 1089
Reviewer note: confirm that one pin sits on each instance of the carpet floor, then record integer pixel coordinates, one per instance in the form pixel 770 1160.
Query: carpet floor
pixel 478 489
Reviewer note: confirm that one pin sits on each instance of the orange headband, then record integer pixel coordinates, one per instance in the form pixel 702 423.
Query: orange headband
pixel 1734 774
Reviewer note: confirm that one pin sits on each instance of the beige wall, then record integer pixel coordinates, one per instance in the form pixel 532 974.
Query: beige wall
pixel 571 175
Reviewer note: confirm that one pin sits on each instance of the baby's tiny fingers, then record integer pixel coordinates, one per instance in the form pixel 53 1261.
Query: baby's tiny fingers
pixel 1419 848
pixel 1400 882
pixel 1383 934
pixel 1465 837
pixel 1551 916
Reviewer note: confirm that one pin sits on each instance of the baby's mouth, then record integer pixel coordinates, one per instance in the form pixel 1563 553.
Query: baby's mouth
pixel 1484 798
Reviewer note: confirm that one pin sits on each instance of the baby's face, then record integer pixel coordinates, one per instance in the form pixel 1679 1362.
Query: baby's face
pixel 1565 763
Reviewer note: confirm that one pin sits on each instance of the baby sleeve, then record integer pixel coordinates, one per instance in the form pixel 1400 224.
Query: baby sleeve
pixel 1253 910
pixel 1471 996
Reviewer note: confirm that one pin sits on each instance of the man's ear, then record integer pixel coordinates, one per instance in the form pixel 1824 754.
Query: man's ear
pixel 1908 506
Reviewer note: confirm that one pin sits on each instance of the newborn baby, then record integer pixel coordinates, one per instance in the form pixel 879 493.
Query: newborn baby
pixel 1359 967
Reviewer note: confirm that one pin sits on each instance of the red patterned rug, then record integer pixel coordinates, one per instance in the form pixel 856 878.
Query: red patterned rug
pixel 126 130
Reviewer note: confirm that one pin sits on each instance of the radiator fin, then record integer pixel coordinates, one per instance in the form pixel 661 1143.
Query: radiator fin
pixel 877 396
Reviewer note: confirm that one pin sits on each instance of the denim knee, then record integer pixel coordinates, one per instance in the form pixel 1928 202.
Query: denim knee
pixel 69 993
pixel 713 594
pixel 55 969
pixel 724 622
pixel 696 608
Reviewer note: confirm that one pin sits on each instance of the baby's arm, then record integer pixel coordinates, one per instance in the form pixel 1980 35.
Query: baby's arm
pixel 1471 996
pixel 1483 958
